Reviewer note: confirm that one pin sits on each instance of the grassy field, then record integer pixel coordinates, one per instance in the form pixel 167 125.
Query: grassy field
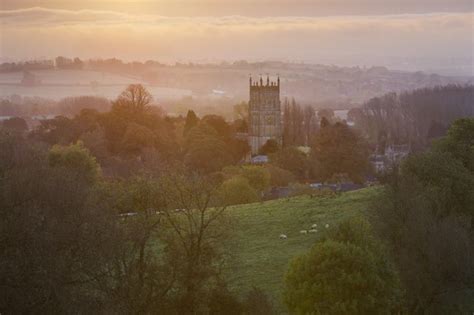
pixel 261 257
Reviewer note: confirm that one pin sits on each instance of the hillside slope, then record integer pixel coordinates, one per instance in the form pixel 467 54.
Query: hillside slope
pixel 260 258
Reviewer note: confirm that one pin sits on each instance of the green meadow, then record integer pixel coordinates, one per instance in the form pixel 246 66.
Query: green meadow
pixel 260 257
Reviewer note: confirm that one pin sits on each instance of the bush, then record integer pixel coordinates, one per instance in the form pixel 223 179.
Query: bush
pixel 237 190
pixel 279 177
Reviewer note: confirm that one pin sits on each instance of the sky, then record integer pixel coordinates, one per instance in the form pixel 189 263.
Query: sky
pixel 429 35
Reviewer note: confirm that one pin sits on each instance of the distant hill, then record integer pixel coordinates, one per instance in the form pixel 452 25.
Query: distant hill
pixel 319 85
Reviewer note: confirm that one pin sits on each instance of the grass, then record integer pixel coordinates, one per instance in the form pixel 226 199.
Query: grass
pixel 260 258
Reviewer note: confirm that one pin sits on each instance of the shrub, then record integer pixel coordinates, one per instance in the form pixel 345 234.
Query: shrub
pixel 237 190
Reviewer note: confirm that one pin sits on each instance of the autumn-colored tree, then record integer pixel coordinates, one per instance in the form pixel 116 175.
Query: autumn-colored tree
pixel 191 121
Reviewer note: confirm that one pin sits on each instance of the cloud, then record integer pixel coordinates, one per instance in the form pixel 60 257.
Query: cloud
pixel 356 39
pixel 55 17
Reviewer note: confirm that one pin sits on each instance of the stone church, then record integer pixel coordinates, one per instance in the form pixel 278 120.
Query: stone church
pixel 264 113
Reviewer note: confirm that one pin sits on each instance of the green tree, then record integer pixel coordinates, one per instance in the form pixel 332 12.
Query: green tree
pixel 442 179
pixel 257 176
pixel 291 159
pixel 237 190
pixel 460 142
pixel 347 272
pixel 337 149
pixel 75 158
pixel 205 151
pixel 426 212
pixel 55 230
pixel 279 176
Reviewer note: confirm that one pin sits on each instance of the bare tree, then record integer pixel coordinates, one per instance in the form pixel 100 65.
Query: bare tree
pixel 197 227
pixel 135 99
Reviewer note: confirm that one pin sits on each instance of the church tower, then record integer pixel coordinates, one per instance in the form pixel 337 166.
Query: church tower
pixel 264 113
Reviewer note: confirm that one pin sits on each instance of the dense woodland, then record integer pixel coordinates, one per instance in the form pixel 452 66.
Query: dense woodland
pixel 125 210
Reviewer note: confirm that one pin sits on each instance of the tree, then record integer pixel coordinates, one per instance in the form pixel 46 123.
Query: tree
pixel 133 101
pixel 460 142
pixel 326 113
pixel 310 124
pixel 443 179
pixel 237 190
pixel 425 215
pixel 196 228
pixel 279 176
pixel 239 149
pixel 342 275
pixel 15 124
pixel 223 302
pixel 271 146
pixel 414 117
pixel 219 124
pixel 137 138
pixel 59 130
pixel 240 125
pixel 241 111
pixel 75 158
pixel 54 230
pixel 205 151
pixel 337 149
pixel 137 277
pixel 257 302
pixel 74 105
pixel 134 125
pixel 291 159
pixel 293 124
pixel 191 121
pixel 258 176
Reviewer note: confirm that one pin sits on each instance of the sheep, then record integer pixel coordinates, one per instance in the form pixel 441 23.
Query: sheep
pixel 303 231
pixel 314 226
pixel 283 236
pixel 313 231
pixel 327 226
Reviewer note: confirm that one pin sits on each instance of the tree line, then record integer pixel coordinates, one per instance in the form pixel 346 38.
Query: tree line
pixel 414 117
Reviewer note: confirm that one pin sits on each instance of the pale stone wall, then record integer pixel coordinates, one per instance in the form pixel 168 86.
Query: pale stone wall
pixel 264 114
